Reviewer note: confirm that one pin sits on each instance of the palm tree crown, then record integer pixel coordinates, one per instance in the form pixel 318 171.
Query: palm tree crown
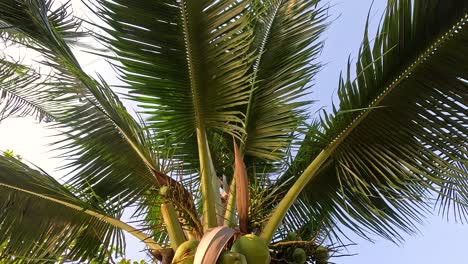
pixel 222 147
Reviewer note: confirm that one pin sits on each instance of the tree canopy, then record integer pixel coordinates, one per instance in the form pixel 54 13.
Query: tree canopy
pixel 222 134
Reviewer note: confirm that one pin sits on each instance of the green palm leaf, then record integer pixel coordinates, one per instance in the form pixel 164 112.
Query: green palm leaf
pixel 49 18
pixel 286 41
pixel 187 63
pixel 184 62
pixel 41 219
pixel 21 93
pixel 383 162
pixel 206 72
pixel 91 115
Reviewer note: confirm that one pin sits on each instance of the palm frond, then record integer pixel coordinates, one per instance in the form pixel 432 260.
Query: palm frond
pixel 185 62
pixel 41 219
pixel 105 147
pixel 398 136
pixel 91 115
pixel 21 93
pixel 58 19
pixel 287 43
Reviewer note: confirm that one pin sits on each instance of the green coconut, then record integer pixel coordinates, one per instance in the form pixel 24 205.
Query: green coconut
pixel 299 256
pixel 321 254
pixel 185 253
pixel 253 248
pixel 291 236
pixel 231 258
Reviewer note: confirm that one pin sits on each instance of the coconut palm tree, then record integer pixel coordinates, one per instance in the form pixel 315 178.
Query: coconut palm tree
pixel 223 148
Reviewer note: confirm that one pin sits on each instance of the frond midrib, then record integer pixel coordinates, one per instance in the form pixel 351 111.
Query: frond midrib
pixel 254 77
pixel 36 106
pixel 194 87
pixel 102 217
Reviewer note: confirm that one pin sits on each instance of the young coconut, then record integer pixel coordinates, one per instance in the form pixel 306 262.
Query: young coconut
pixel 185 253
pixel 231 258
pixel 253 248
pixel 321 255
pixel 292 236
pixel 299 256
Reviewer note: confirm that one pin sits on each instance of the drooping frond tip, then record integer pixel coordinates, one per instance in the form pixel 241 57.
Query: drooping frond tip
pixel 41 219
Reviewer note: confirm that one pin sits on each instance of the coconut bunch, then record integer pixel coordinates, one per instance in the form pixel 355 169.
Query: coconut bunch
pixel 295 249
pixel 230 242
pixel 235 239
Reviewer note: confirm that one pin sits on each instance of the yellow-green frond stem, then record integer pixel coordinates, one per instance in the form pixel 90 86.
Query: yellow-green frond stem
pixel 209 182
pixel 174 230
pixel 229 215
pixel 280 211
pixel 150 243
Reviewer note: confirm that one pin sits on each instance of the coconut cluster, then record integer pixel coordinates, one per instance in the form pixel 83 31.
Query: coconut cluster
pixel 253 248
pixel 248 249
